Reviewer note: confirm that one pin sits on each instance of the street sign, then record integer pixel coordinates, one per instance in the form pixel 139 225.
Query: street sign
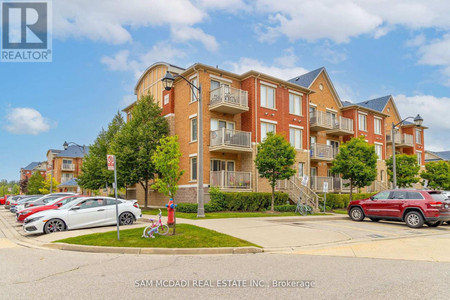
pixel 305 180
pixel 111 162
pixel 325 187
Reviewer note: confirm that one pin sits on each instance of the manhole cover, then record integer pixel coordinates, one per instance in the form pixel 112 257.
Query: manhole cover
pixel 376 235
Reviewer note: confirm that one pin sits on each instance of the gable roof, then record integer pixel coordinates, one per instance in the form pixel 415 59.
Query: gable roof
pixel 74 151
pixel 307 79
pixel 70 183
pixel 443 155
pixel 376 104
pixel 31 166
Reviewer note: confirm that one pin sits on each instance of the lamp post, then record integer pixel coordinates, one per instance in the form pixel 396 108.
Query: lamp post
pixel 418 121
pixel 168 84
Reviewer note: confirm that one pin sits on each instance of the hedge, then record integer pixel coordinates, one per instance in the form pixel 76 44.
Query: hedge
pixel 192 208
pixel 342 200
pixel 245 201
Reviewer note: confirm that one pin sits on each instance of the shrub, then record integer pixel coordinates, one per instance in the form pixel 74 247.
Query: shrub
pixel 251 201
pixel 285 208
pixel 192 208
pixel 342 200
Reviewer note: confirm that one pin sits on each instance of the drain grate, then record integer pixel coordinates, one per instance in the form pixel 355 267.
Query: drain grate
pixel 376 235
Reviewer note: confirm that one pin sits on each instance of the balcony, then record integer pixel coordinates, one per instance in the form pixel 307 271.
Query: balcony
pixel 228 100
pixel 68 167
pixel 231 180
pixel 230 141
pixel 320 152
pixel 335 184
pixel 319 121
pixel 402 140
pixel 341 126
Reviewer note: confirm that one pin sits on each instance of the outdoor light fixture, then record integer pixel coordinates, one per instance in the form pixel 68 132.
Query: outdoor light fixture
pixel 418 122
pixel 167 82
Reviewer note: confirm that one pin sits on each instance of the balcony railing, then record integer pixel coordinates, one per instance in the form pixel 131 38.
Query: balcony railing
pixel 228 140
pixel 320 121
pixel 231 180
pixel 341 126
pixel 335 184
pixel 402 140
pixel 68 167
pixel 230 100
pixel 323 152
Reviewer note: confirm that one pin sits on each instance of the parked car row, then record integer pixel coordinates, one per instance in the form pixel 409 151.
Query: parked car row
pixel 66 211
pixel 414 207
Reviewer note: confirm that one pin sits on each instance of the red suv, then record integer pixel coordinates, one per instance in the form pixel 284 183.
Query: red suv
pixel 414 207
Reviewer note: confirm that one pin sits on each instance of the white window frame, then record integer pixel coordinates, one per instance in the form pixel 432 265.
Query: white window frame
pixel 265 102
pixel 292 107
pixel 221 120
pixel 364 123
pixel 266 124
pixel 191 158
pixel 226 161
pixel 302 164
pixel 419 140
pixel 377 129
pixel 380 147
pixel 166 99
pixel 419 158
pixel 296 144
pixel 191 123
pixel 194 91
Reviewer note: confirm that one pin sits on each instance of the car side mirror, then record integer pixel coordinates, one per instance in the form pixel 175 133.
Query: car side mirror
pixel 59 204
pixel 371 198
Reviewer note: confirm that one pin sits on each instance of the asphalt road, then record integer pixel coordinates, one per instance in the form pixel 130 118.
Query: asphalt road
pixel 53 274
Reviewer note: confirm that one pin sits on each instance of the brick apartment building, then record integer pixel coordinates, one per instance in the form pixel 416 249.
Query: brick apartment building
pixel 35 166
pixel 239 110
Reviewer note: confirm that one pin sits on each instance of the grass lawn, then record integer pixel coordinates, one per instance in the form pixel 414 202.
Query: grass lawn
pixel 225 214
pixel 340 211
pixel 187 236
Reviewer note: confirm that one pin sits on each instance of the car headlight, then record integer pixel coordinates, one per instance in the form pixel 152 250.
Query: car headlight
pixel 27 220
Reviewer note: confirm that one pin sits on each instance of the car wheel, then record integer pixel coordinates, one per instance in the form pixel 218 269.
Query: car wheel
pixel 414 219
pixel 126 218
pixel 374 219
pixel 54 225
pixel 356 214
pixel 434 224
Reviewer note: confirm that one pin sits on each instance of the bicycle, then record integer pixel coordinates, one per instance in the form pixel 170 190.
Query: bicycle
pixel 303 209
pixel 158 227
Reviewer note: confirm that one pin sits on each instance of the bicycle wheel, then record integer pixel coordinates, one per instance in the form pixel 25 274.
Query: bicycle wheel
pixel 147 230
pixel 163 230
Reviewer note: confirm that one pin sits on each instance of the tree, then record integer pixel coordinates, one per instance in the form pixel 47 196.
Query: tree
pixel 94 173
pixel 35 183
pixel 438 174
pixel 24 185
pixel 274 160
pixel 357 162
pixel 407 170
pixel 46 184
pixel 167 163
pixel 135 144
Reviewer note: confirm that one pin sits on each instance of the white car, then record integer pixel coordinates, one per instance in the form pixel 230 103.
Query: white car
pixel 83 213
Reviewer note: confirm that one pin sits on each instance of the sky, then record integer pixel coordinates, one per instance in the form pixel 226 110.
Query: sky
pixel 370 48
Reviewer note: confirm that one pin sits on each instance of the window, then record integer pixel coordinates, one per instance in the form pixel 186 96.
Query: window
pixel 166 99
pixel 312 140
pixel 415 196
pixel 194 92
pixel 295 104
pixel 66 177
pixel 222 165
pixel 312 114
pixel 419 158
pixel 91 203
pixel 382 195
pixel 219 124
pixel 265 128
pixel 67 161
pixel 379 151
pixel 301 168
pixel 194 129
pixel 362 122
pixel 112 201
pixel 418 136
pixel 267 96
pixel 331 117
pixel 399 195
pixel 193 168
pixel 334 146
pixel 295 137
pixel 377 126
pixel 214 85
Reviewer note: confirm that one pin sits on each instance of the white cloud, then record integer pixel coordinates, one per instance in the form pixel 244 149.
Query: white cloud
pixel 434 113
pixel 283 67
pixel 232 6
pixel 417 41
pixel 127 100
pixel 437 53
pixel 26 120
pixel 186 34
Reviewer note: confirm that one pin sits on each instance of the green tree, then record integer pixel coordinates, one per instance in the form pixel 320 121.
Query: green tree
pixel 46 184
pixel 95 174
pixel 35 183
pixel 438 174
pixel 274 160
pixel 407 170
pixel 15 189
pixel 167 163
pixel 135 144
pixel 357 162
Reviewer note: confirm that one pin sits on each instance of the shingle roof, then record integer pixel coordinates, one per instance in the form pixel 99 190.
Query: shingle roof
pixel 347 103
pixel 444 155
pixel 73 151
pixel 307 79
pixel 377 104
pixel 70 183
pixel 55 150
pixel 32 165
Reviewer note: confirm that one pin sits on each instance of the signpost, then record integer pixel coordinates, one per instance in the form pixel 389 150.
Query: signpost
pixel 325 191
pixel 111 161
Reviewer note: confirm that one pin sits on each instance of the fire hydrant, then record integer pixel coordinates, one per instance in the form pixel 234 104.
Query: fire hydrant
pixel 170 212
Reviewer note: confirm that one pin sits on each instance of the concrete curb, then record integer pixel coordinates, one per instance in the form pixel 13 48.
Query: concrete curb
pixel 158 251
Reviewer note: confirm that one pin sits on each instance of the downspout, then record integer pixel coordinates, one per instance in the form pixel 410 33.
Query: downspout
pixel 256 129
pixel 308 141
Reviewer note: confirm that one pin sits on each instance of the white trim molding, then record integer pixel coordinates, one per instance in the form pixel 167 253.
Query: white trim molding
pixel 193 155
pixel 169 115
pixel 295 92
pixel 296 126
pixel 268 84
pixel 220 78
pixel 193 116
pixel 268 121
